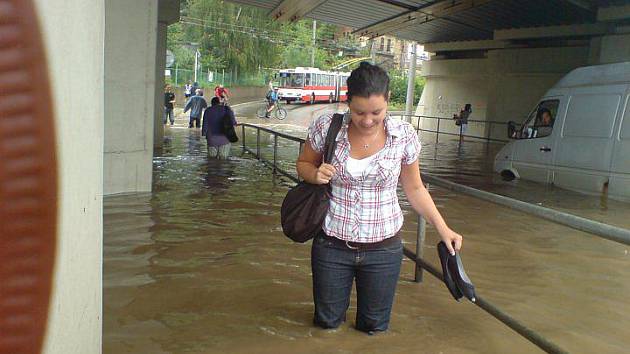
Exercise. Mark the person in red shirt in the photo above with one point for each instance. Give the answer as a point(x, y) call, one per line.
point(222, 93)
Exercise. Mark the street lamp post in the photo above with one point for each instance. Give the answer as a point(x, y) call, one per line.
point(196, 63)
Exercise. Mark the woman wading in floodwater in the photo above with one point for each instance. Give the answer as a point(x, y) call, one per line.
point(360, 238)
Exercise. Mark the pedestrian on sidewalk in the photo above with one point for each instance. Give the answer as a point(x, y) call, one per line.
point(196, 105)
point(212, 128)
point(169, 102)
point(188, 91)
point(461, 120)
point(222, 93)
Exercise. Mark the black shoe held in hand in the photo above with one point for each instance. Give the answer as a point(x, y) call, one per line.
point(448, 280)
point(455, 277)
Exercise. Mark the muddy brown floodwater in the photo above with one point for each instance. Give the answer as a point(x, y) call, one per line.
point(200, 265)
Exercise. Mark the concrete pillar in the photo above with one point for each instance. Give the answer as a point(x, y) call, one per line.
point(594, 50)
point(74, 36)
point(411, 79)
point(168, 13)
point(615, 49)
point(160, 66)
point(130, 91)
point(503, 86)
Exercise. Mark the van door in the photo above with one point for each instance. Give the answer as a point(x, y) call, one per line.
point(533, 152)
point(584, 154)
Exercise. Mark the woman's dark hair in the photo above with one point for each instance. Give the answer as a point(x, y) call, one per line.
point(368, 80)
point(215, 101)
point(468, 107)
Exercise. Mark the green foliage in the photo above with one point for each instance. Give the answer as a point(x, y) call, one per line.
point(398, 88)
point(243, 42)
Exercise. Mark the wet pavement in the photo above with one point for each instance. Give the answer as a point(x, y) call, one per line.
point(200, 265)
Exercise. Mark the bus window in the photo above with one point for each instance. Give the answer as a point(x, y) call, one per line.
point(290, 80)
point(307, 81)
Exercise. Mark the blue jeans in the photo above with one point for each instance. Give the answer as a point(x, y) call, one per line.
point(376, 273)
point(194, 120)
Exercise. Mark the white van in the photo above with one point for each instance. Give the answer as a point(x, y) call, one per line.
point(578, 135)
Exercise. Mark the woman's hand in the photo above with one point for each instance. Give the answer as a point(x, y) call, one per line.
point(451, 237)
point(324, 173)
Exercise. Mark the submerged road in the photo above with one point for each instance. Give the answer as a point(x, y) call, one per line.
point(200, 265)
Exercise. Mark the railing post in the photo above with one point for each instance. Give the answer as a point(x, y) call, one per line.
point(489, 132)
point(422, 224)
point(437, 134)
point(258, 143)
point(275, 153)
point(243, 137)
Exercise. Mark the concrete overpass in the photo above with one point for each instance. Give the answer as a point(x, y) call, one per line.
point(498, 55)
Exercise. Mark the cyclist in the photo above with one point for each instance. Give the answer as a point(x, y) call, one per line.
point(222, 93)
point(272, 100)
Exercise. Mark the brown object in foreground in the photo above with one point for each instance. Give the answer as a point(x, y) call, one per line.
point(28, 181)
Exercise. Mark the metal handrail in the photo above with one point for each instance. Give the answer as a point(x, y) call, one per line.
point(270, 131)
point(491, 309)
point(606, 231)
point(273, 164)
point(494, 311)
point(460, 134)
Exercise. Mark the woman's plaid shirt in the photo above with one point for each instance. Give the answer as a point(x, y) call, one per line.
point(365, 208)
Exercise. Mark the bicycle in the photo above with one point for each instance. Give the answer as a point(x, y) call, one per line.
point(278, 112)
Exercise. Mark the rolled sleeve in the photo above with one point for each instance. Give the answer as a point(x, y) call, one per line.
point(412, 147)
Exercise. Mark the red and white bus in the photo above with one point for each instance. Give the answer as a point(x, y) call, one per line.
point(312, 85)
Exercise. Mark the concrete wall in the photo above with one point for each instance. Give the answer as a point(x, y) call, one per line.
point(160, 66)
point(75, 317)
point(615, 49)
point(503, 86)
point(130, 93)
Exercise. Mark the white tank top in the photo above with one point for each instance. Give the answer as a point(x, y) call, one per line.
point(357, 167)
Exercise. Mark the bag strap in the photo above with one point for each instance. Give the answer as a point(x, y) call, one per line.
point(331, 137)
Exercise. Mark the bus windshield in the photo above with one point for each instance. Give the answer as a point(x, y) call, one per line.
point(291, 80)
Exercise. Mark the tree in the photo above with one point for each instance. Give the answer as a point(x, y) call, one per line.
point(245, 41)
point(398, 88)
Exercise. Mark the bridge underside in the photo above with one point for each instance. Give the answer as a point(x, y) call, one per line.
point(498, 55)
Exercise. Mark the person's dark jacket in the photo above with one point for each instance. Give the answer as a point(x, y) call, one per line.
point(212, 126)
point(196, 104)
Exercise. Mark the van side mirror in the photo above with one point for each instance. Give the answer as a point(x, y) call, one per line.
point(511, 130)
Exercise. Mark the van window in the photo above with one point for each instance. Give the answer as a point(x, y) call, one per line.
point(624, 134)
point(540, 122)
point(591, 116)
